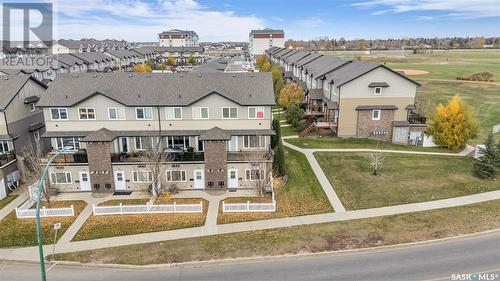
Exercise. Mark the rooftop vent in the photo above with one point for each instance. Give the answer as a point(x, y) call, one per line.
point(130, 75)
point(199, 75)
point(234, 75)
point(95, 75)
point(76, 75)
point(182, 75)
point(180, 96)
point(148, 75)
point(139, 96)
point(6, 78)
point(251, 75)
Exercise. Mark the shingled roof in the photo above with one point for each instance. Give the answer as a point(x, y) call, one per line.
point(159, 89)
point(323, 65)
point(307, 59)
point(92, 57)
point(10, 87)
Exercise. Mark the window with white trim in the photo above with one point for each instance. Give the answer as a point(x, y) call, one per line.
point(376, 114)
point(173, 113)
point(86, 113)
point(142, 176)
point(377, 91)
point(254, 142)
point(60, 178)
point(59, 113)
point(72, 142)
point(116, 113)
point(254, 175)
point(4, 147)
point(232, 144)
point(256, 112)
point(139, 143)
point(32, 107)
point(229, 113)
point(176, 176)
point(200, 113)
point(144, 113)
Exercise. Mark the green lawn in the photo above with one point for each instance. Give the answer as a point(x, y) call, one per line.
point(332, 142)
point(309, 238)
point(482, 99)
point(16, 232)
point(302, 195)
point(4, 202)
point(404, 179)
point(118, 225)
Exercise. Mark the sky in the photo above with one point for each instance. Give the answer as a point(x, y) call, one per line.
point(232, 20)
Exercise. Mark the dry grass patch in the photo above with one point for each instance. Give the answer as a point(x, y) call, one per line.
point(118, 225)
point(16, 232)
point(302, 195)
point(4, 202)
point(353, 234)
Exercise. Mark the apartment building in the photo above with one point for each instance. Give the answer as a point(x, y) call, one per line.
point(21, 124)
point(354, 98)
point(214, 128)
point(261, 40)
point(179, 38)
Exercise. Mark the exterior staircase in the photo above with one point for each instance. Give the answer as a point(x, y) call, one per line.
point(304, 132)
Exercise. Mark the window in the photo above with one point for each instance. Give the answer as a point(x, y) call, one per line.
point(254, 141)
point(116, 113)
point(232, 144)
point(4, 147)
point(377, 91)
point(139, 143)
point(59, 113)
point(142, 176)
point(376, 114)
point(173, 113)
point(254, 175)
point(256, 112)
point(86, 113)
point(200, 112)
point(60, 178)
point(176, 176)
point(200, 144)
point(180, 142)
point(144, 113)
point(229, 113)
point(72, 142)
point(32, 107)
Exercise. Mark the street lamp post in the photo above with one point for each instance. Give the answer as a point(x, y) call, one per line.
point(38, 223)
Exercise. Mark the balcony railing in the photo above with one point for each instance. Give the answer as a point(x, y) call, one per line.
point(169, 156)
point(7, 157)
point(76, 157)
point(414, 118)
point(249, 156)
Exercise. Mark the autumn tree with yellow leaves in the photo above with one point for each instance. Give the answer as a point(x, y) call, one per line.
point(290, 94)
point(452, 125)
point(142, 68)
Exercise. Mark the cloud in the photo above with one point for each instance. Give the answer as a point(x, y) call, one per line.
point(454, 8)
point(310, 23)
point(142, 20)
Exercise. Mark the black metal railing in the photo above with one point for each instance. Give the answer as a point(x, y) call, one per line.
point(77, 157)
point(169, 157)
point(7, 157)
point(261, 155)
point(415, 118)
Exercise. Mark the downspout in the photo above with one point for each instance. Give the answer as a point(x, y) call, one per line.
point(338, 117)
point(7, 126)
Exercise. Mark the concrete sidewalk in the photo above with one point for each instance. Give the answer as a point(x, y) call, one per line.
point(5, 211)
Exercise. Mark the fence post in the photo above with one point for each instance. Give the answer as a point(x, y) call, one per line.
point(175, 208)
point(93, 209)
point(17, 214)
point(121, 209)
point(72, 211)
point(248, 205)
point(223, 206)
point(44, 212)
point(201, 206)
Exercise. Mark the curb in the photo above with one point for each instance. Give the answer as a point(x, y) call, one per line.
point(255, 259)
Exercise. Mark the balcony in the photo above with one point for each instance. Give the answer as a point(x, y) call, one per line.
point(249, 156)
point(415, 118)
point(181, 156)
point(76, 157)
point(7, 157)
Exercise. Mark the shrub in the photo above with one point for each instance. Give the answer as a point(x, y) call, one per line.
point(293, 115)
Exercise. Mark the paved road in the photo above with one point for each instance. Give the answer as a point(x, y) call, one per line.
point(479, 253)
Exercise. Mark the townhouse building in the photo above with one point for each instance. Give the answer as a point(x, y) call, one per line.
point(70, 46)
point(354, 98)
point(263, 39)
point(125, 60)
point(179, 38)
point(21, 124)
point(214, 128)
point(96, 61)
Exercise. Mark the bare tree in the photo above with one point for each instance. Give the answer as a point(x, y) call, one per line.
point(155, 159)
point(377, 162)
point(33, 165)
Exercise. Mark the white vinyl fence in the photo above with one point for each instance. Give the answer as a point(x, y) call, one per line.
point(496, 129)
point(148, 208)
point(45, 212)
point(249, 207)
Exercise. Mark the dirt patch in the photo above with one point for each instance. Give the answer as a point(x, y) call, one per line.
point(413, 71)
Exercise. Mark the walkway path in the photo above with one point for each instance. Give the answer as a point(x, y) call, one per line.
point(5, 211)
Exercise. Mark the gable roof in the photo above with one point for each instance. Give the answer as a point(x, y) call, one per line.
point(10, 87)
point(121, 54)
point(68, 59)
point(159, 89)
point(282, 52)
point(296, 57)
point(323, 65)
point(307, 59)
point(92, 57)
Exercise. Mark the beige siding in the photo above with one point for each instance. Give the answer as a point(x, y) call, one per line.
point(3, 125)
point(17, 109)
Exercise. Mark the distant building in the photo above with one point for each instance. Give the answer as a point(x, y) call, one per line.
point(261, 40)
point(87, 45)
point(179, 38)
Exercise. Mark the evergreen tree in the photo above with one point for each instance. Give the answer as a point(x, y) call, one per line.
point(489, 159)
point(276, 138)
point(279, 161)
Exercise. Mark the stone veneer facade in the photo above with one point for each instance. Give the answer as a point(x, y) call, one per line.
point(375, 129)
point(215, 164)
point(101, 171)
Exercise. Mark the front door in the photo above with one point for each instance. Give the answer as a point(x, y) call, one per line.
point(198, 179)
point(120, 181)
point(85, 181)
point(232, 178)
point(124, 145)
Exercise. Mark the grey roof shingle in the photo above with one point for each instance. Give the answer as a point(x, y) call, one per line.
point(68, 59)
point(121, 54)
point(159, 89)
point(295, 57)
point(323, 65)
point(215, 133)
point(102, 134)
point(378, 84)
point(282, 53)
point(92, 57)
point(307, 59)
point(9, 87)
point(266, 31)
point(350, 72)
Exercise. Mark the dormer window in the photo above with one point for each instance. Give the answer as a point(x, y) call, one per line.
point(377, 91)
